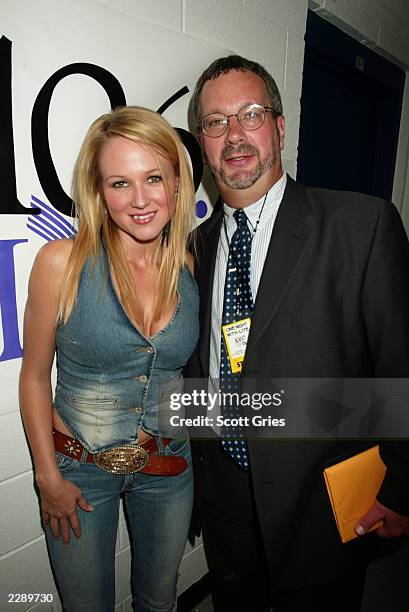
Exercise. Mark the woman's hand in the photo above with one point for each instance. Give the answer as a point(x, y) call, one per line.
point(59, 501)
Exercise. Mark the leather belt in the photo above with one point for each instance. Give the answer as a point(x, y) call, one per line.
point(126, 459)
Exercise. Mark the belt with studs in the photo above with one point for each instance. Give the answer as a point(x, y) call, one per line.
point(125, 459)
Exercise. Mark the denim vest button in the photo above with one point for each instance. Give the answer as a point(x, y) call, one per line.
point(138, 410)
point(142, 378)
point(145, 349)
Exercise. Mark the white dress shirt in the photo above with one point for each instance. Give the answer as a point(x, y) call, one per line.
point(259, 247)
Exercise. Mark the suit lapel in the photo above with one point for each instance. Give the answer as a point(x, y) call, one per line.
point(292, 231)
point(208, 238)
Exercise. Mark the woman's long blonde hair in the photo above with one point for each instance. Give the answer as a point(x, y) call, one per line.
point(149, 129)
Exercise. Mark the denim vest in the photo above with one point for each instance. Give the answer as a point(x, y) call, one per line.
point(112, 380)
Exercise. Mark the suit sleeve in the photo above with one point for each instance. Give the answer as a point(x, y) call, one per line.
point(386, 314)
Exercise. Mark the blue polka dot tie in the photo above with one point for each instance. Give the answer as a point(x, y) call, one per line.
point(237, 304)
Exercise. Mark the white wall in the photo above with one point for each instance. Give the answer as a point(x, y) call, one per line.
point(268, 31)
point(272, 32)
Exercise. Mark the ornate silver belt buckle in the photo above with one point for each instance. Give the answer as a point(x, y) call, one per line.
point(125, 459)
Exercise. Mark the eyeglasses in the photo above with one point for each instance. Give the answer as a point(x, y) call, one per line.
point(250, 117)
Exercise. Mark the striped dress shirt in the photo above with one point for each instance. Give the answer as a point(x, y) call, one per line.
point(260, 243)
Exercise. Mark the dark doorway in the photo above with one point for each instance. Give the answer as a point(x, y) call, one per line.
point(350, 113)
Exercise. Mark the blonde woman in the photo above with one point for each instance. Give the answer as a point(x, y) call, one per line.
point(119, 306)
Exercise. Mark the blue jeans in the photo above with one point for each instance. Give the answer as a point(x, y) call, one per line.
point(158, 508)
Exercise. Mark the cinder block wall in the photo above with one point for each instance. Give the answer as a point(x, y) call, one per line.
point(272, 32)
point(269, 31)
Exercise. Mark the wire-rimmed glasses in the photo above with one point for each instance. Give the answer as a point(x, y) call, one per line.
point(250, 117)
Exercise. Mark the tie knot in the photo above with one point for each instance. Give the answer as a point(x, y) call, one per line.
point(240, 216)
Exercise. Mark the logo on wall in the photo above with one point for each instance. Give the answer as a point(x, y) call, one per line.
point(49, 224)
point(47, 219)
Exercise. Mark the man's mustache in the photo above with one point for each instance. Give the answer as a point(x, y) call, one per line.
point(244, 149)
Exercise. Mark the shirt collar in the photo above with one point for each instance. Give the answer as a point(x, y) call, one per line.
point(273, 201)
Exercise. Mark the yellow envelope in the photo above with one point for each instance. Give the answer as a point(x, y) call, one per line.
point(352, 488)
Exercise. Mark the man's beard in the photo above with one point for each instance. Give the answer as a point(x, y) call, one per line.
point(246, 178)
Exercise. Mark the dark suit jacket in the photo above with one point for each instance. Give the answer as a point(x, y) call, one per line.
point(333, 301)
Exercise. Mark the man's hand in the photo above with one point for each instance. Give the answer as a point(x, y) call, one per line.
point(394, 524)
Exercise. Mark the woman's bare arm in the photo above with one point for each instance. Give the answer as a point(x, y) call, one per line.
point(59, 497)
